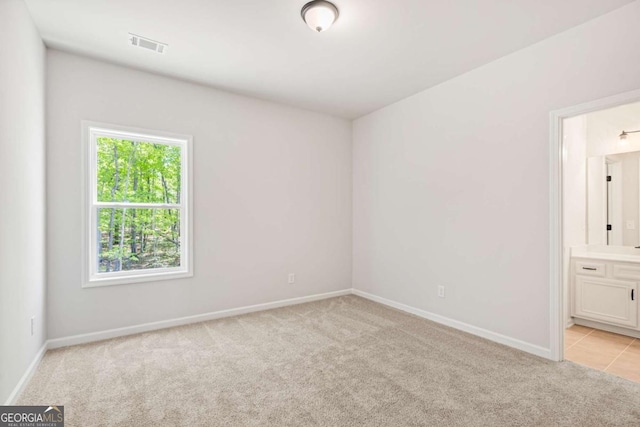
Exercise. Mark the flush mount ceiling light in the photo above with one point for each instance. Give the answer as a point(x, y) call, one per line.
point(319, 15)
point(625, 134)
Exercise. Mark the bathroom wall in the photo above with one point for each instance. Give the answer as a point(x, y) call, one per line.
point(605, 126)
point(602, 140)
point(574, 203)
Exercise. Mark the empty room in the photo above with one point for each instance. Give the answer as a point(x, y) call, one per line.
point(319, 213)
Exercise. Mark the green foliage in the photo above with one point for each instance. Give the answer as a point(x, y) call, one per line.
point(145, 172)
point(138, 172)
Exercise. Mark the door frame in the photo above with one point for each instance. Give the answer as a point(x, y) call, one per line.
point(556, 261)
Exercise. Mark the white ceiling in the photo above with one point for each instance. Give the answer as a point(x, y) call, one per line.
point(378, 52)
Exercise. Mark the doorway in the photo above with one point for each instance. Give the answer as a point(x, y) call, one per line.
point(595, 229)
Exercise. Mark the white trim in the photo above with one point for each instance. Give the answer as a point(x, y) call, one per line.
point(556, 280)
point(90, 277)
point(461, 326)
point(556, 269)
point(136, 205)
point(120, 332)
point(146, 327)
point(637, 223)
point(138, 276)
point(163, 324)
point(27, 375)
point(606, 327)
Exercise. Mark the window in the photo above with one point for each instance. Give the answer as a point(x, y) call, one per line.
point(137, 204)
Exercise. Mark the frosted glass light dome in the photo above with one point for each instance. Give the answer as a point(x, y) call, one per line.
point(319, 15)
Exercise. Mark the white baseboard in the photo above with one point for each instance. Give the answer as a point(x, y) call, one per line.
point(484, 333)
point(605, 327)
point(113, 333)
point(146, 327)
point(27, 375)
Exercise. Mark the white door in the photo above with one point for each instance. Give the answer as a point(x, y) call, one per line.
point(606, 300)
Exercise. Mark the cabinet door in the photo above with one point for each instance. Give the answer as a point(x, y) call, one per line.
point(606, 300)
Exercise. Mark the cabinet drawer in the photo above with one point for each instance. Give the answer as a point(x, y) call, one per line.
point(622, 271)
point(586, 268)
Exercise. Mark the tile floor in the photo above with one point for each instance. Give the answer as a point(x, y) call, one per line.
point(605, 351)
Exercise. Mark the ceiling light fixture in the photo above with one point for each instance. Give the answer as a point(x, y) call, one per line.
point(625, 134)
point(319, 15)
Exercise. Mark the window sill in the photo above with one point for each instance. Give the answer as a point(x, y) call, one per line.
point(139, 278)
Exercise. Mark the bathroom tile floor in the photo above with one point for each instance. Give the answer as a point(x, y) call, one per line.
point(605, 351)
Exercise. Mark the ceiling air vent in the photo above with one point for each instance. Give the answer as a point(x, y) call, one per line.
point(146, 43)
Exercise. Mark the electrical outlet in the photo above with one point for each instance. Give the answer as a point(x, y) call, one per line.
point(33, 325)
point(441, 291)
point(292, 278)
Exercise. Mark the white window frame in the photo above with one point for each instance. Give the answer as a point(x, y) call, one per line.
point(91, 277)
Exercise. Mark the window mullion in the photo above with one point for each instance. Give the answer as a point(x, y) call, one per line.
point(122, 205)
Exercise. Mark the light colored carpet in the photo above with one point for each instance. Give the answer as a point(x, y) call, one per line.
point(340, 362)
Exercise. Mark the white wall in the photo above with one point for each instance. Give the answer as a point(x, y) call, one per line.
point(604, 126)
point(574, 203)
point(451, 186)
point(22, 193)
point(575, 181)
point(272, 195)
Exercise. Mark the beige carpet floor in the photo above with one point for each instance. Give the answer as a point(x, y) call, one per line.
point(340, 362)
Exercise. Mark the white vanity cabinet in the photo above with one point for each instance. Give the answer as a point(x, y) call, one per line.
point(605, 291)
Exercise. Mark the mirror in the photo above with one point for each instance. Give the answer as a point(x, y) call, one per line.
point(613, 199)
